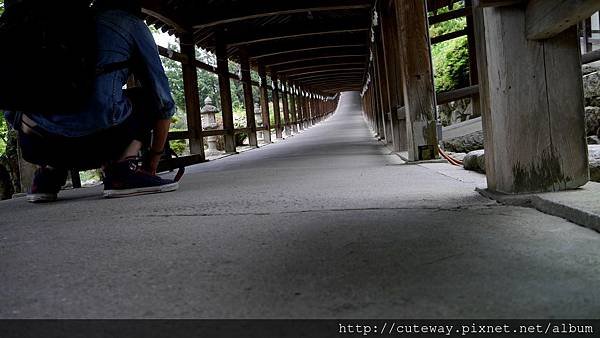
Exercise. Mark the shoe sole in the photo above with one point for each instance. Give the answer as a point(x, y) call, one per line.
point(41, 198)
point(141, 191)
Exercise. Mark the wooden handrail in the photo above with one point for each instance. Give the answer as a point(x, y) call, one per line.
point(457, 94)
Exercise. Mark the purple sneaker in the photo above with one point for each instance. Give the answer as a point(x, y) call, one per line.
point(47, 182)
point(126, 179)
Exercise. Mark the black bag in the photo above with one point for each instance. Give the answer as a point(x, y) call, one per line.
point(48, 58)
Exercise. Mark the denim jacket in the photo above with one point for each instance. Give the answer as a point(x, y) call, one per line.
point(121, 37)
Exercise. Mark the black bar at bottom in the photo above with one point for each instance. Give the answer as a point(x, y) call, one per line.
point(298, 328)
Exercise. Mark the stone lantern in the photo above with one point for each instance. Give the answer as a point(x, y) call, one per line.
point(259, 121)
point(209, 122)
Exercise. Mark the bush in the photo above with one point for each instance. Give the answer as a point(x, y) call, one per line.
point(450, 58)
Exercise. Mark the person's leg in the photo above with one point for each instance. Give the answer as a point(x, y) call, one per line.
point(126, 176)
point(48, 178)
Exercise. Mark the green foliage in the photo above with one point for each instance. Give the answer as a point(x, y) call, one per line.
point(179, 146)
point(3, 133)
point(451, 64)
point(450, 58)
point(1, 7)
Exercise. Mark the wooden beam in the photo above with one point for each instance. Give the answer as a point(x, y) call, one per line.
point(448, 36)
point(590, 57)
point(434, 5)
point(262, 50)
point(271, 33)
point(547, 18)
point(349, 69)
point(331, 77)
point(495, 3)
point(458, 13)
point(317, 54)
point(316, 60)
point(307, 49)
point(453, 95)
point(158, 10)
point(255, 10)
point(333, 62)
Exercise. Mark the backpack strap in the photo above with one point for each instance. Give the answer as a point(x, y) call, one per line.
point(113, 67)
point(173, 157)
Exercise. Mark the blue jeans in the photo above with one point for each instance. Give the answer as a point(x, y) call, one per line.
point(93, 151)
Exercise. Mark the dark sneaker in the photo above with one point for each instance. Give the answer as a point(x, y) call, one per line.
point(47, 182)
point(126, 179)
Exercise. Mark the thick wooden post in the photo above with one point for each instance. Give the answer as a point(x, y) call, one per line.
point(276, 108)
point(248, 98)
point(473, 72)
point(286, 112)
point(225, 93)
point(392, 59)
point(264, 103)
point(532, 105)
point(192, 96)
point(419, 93)
point(382, 85)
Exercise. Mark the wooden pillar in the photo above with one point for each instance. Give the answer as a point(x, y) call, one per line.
point(293, 111)
point(473, 72)
point(532, 107)
point(299, 110)
point(75, 178)
point(286, 111)
point(248, 98)
point(192, 96)
point(419, 93)
point(307, 113)
point(392, 59)
point(587, 35)
point(225, 93)
point(379, 130)
point(276, 109)
point(264, 102)
point(382, 83)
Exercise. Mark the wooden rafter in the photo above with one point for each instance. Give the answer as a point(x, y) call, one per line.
point(305, 73)
point(324, 65)
point(247, 10)
point(317, 54)
point(281, 32)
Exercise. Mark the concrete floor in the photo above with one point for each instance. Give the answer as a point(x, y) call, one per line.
point(327, 224)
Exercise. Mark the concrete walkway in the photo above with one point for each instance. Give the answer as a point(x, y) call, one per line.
point(326, 224)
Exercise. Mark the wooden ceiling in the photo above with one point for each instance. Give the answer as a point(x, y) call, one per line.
point(322, 45)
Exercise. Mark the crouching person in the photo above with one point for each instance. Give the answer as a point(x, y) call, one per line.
point(115, 124)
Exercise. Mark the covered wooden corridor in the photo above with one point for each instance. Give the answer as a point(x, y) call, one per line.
point(525, 75)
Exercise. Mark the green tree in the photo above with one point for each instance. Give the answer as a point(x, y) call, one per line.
point(450, 58)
